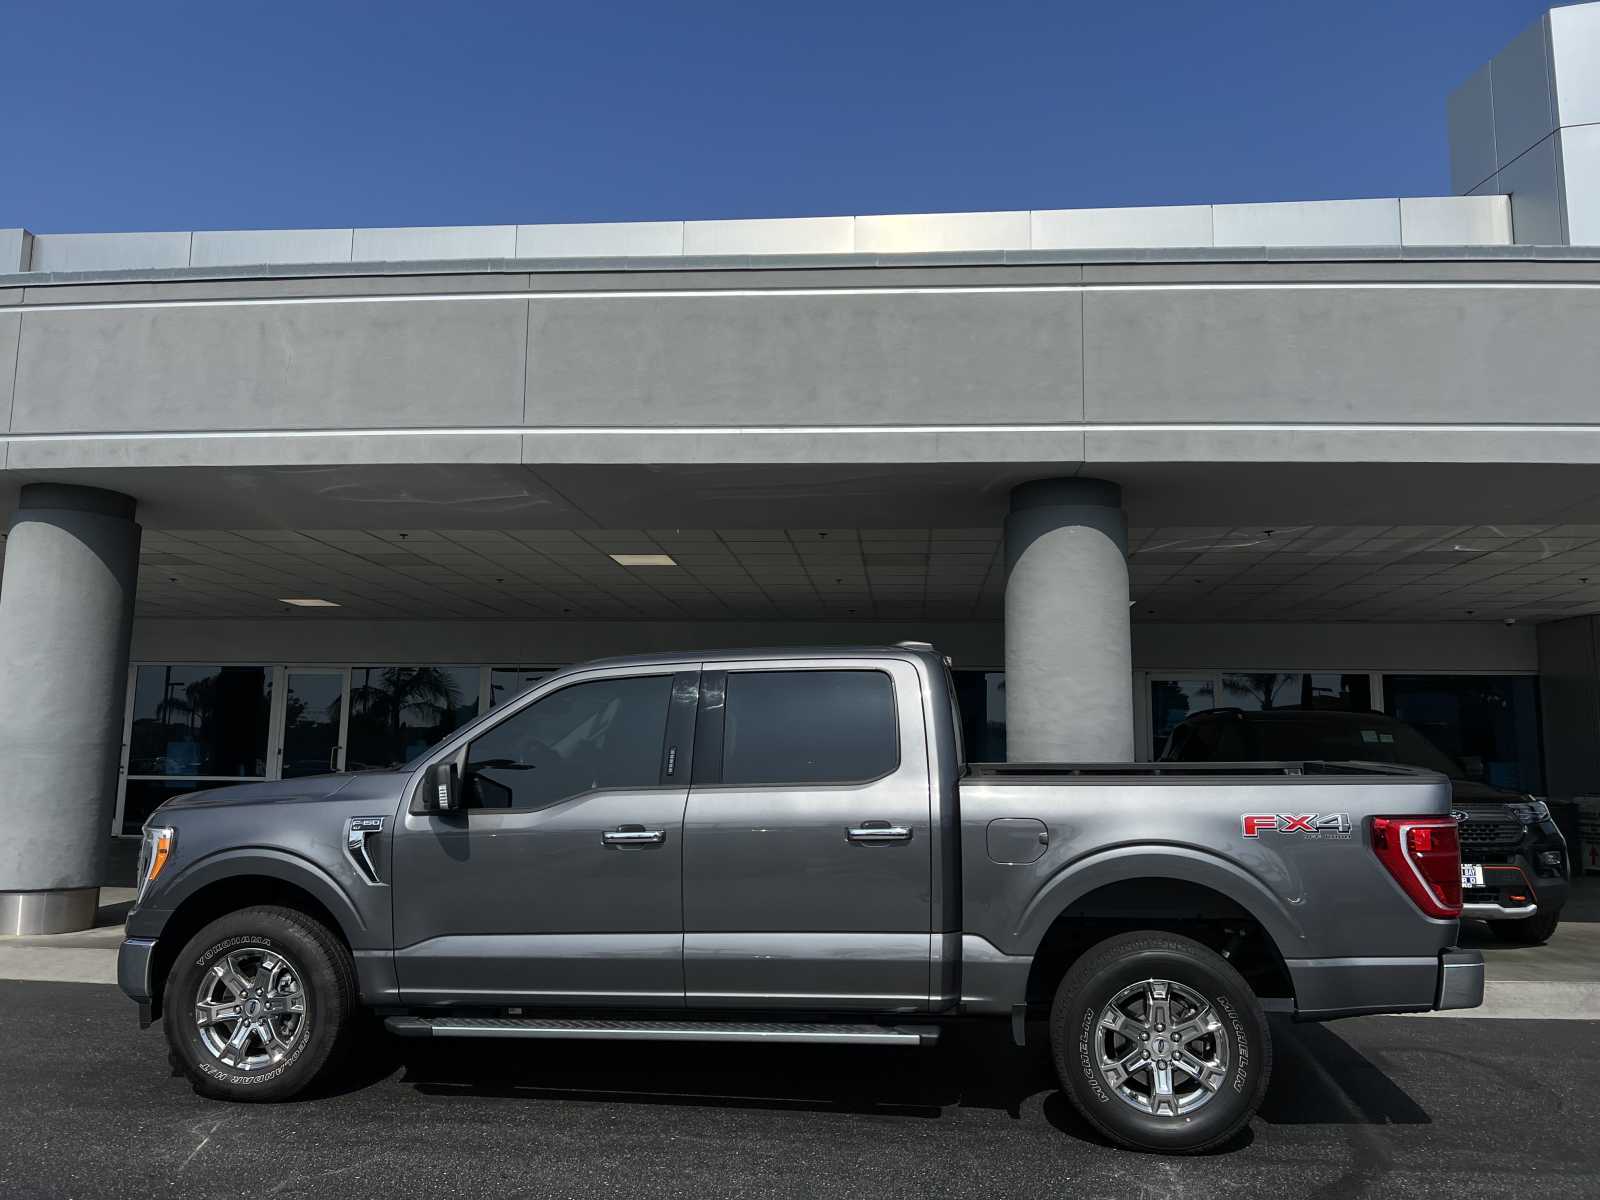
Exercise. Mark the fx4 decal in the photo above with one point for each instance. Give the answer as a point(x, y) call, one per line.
point(1314, 825)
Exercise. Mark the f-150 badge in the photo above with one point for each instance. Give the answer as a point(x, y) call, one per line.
point(1313, 825)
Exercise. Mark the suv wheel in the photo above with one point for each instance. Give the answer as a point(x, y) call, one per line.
point(1160, 1043)
point(259, 1004)
point(1530, 931)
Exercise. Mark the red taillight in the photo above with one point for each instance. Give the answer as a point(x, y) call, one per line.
point(1424, 856)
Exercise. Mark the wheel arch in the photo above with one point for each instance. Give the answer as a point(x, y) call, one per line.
point(232, 882)
point(1183, 892)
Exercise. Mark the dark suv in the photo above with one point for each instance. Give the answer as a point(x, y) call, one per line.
point(1514, 862)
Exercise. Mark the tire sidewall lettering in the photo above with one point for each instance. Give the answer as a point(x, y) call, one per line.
point(1091, 1073)
point(1241, 1043)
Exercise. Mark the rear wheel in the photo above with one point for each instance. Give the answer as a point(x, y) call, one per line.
point(259, 1004)
point(1160, 1043)
point(1530, 931)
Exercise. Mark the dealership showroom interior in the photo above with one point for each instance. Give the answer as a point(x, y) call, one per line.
point(289, 502)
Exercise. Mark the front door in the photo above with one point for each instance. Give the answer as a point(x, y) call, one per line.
point(315, 710)
point(808, 869)
point(561, 881)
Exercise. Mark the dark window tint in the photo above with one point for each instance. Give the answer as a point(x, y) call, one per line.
point(1489, 722)
point(398, 712)
point(809, 727)
point(144, 795)
point(604, 734)
point(506, 683)
point(1171, 700)
point(1348, 740)
point(981, 697)
point(200, 721)
point(1256, 691)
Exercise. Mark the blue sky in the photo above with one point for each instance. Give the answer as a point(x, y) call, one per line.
point(154, 115)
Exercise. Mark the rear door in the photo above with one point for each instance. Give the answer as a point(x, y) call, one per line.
point(807, 839)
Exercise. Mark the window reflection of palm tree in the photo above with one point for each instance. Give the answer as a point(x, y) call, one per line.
point(428, 695)
point(1262, 686)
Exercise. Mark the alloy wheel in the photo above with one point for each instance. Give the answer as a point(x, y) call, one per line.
point(250, 1009)
point(1161, 1047)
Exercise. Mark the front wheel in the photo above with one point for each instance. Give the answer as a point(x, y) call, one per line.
point(1530, 931)
point(1160, 1043)
point(259, 1004)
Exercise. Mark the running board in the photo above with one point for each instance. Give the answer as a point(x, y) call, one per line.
point(664, 1031)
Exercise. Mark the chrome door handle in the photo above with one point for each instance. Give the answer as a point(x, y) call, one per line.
point(878, 831)
point(634, 835)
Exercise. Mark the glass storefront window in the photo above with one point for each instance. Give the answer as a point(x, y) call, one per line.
point(1489, 722)
point(1254, 691)
point(506, 682)
point(1171, 700)
point(981, 697)
point(200, 721)
point(398, 712)
point(145, 795)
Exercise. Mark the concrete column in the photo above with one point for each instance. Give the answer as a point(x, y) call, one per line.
point(66, 616)
point(1069, 656)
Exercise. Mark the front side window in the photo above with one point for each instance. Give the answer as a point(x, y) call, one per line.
point(809, 727)
point(607, 733)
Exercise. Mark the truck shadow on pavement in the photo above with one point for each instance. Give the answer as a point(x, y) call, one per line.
point(1318, 1078)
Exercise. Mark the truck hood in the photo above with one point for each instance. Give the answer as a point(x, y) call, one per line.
point(312, 787)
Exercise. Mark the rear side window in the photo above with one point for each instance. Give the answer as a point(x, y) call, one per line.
point(802, 727)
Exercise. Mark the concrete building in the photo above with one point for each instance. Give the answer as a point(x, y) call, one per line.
point(291, 500)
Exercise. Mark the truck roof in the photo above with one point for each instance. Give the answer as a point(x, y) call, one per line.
point(781, 653)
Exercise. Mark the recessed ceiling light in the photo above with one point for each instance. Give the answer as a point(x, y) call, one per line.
point(308, 602)
point(644, 560)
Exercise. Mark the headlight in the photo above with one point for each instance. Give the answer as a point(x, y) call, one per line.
point(155, 850)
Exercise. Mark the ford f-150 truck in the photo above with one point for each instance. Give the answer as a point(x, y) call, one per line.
point(788, 846)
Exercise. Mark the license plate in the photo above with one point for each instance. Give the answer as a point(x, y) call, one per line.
point(1471, 875)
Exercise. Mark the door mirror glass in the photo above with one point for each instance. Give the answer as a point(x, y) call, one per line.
point(441, 789)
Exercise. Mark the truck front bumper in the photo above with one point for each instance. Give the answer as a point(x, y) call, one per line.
point(1460, 979)
point(135, 963)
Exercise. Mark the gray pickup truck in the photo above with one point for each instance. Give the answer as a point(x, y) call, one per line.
point(788, 846)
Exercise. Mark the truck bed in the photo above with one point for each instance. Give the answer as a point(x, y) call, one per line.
point(1017, 772)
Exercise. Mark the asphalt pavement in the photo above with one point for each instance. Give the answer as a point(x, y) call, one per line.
point(1380, 1106)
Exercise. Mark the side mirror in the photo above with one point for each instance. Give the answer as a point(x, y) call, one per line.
point(441, 789)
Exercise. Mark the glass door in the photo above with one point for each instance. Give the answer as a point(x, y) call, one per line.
point(314, 720)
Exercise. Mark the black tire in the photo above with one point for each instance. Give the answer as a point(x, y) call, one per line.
point(1530, 931)
point(1077, 1040)
point(316, 970)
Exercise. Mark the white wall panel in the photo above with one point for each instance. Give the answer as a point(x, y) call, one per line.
point(109, 251)
point(1455, 221)
point(933, 232)
point(246, 247)
point(1524, 103)
point(600, 239)
point(1580, 166)
point(1533, 182)
point(1310, 223)
point(439, 242)
point(1181, 225)
point(1575, 63)
point(797, 235)
point(1471, 115)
